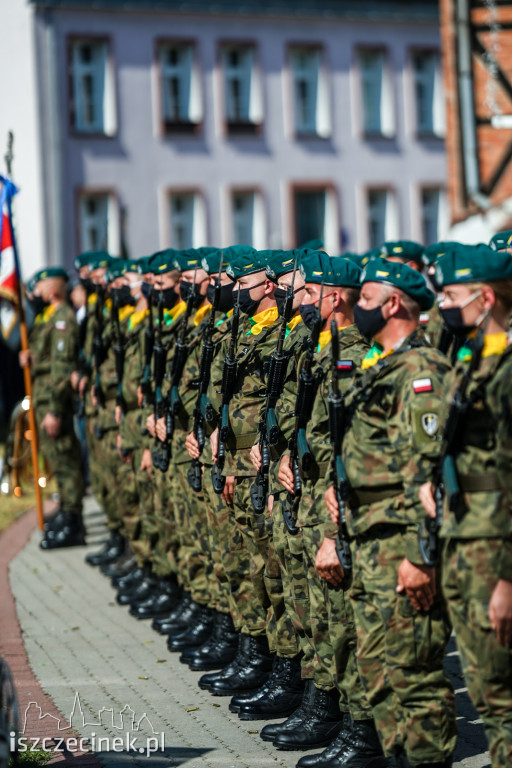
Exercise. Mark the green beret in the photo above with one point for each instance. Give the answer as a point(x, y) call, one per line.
point(42, 274)
point(163, 261)
point(210, 261)
point(244, 260)
point(92, 259)
point(281, 263)
point(117, 268)
point(312, 245)
point(432, 252)
point(143, 265)
point(362, 259)
point(473, 264)
point(407, 250)
point(185, 260)
point(315, 267)
point(501, 240)
point(346, 273)
point(409, 280)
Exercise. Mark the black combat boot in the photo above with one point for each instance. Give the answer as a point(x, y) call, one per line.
point(178, 619)
point(197, 632)
point(357, 746)
point(253, 669)
point(113, 548)
point(220, 649)
point(282, 696)
point(129, 580)
point(319, 728)
point(161, 603)
point(187, 619)
point(190, 652)
point(206, 681)
point(121, 566)
point(270, 732)
point(140, 591)
point(54, 521)
point(71, 533)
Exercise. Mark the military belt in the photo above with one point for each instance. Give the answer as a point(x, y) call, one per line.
point(476, 483)
point(245, 441)
point(365, 496)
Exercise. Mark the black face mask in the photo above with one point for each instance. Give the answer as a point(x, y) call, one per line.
point(226, 301)
point(280, 297)
point(122, 297)
point(147, 290)
point(308, 312)
point(186, 288)
point(248, 305)
point(452, 318)
point(166, 297)
point(38, 304)
point(87, 284)
point(369, 321)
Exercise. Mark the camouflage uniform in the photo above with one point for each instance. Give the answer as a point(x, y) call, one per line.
point(53, 341)
point(393, 423)
point(478, 546)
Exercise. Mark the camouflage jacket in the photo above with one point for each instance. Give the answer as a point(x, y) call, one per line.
point(54, 343)
point(108, 374)
point(131, 422)
point(392, 437)
point(484, 457)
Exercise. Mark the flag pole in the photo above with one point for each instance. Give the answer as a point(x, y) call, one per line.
point(26, 370)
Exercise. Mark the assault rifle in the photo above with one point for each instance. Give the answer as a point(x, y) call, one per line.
point(300, 454)
point(82, 361)
point(149, 343)
point(119, 350)
point(337, 427)
point(229, 372)
point(160, 452)
point(194, 474)
point(446, 481)
point(269, 428)
point(97, 346)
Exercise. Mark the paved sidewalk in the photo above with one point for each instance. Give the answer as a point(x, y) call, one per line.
point(79, 641)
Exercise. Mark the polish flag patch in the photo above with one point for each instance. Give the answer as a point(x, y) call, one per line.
point(60, 325)
point(422, 385)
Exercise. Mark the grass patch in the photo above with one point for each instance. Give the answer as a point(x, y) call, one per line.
point(30, 759)
point(12, 507)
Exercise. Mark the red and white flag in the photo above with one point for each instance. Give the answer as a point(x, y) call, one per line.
point(9, 267)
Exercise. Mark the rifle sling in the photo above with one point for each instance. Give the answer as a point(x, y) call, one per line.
point(364, 496)
point(480, 483)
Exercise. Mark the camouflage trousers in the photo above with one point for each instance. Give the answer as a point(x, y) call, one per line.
point(64, 458)
point(260, 618)
point(117, 482)
point(192, 531)
point(132, 523)
point(468, 580)
point(288, 550)
point(220, 535)
point(158, 527)
point(400, 653)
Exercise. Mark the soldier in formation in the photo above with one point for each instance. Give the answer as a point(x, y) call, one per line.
point(304, 463)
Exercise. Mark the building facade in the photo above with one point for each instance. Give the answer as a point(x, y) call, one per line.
point(152, 124)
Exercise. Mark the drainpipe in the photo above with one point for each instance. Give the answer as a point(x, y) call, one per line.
point(55, 201)
point(467, 107)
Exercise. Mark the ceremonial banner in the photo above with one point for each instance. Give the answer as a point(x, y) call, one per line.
point(9, 268)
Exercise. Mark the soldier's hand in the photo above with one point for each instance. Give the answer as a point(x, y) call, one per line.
point(500, 612)
point(82, 384)
point(255, 455)
point(146, 462)
point(426, 494)
point(94, 399)
point(192, 446)
point(75, 379)
point(270, 504)
point(140, 396)
point(150, 424)
point(119, 413)
point(327, 563)
point(419, 584)
point(52, 425)
point(229, 490)
point(285, 474)
point(214, 442)
point(25, 358)
point(332, 505)
point(161, 429)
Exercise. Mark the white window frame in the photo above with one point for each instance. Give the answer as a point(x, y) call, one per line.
point(100, 71)
point(390, 226)
point(434, 81)
point(256, 224)
point(246, 74)
point(197, 227)
point(331, 228)
point(109, 231)
point(314, 76)
point(186, 72)
point(384, 123)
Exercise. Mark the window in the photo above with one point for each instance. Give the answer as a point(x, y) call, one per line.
point(92, 98)
point(376, 93)
point(99, 222)
point(382, 217)
point(428, 92)
point(248, 218)
point(316, 217)
point(181, 97)
point(310, 93)
point(433, 215)
point(188, 221)
point(243, 110)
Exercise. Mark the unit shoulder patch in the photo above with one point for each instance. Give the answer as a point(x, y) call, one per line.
point(430, 423)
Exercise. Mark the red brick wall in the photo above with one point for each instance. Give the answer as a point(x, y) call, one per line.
point(490, 97)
